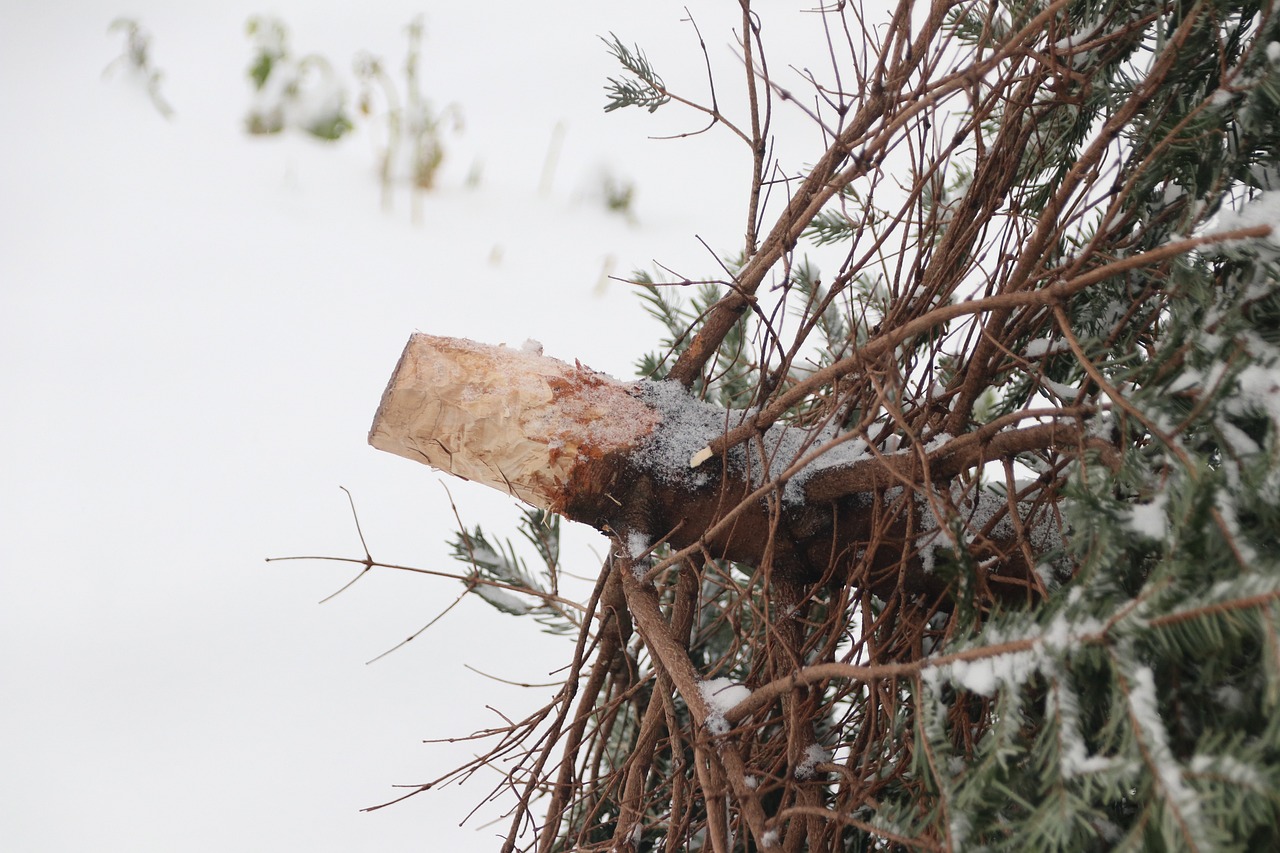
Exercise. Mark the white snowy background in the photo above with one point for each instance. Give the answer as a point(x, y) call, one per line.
point(196, 326)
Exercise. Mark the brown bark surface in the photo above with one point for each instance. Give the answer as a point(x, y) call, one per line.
point(577, 442)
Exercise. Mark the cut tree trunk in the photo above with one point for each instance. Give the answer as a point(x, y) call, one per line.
point(511, 419)
point(618, 456)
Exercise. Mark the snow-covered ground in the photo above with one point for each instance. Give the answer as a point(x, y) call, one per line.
point(196, 326)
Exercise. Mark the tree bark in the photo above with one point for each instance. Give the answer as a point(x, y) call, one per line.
point(617, 456)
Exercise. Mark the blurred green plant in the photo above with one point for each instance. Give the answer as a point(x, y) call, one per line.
point(413, 147)
point(619, 194)
point(304, 93)
point(136, 59)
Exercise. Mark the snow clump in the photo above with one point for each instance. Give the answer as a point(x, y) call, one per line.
point(813, 756)
point(721, 696)
point(675, 450)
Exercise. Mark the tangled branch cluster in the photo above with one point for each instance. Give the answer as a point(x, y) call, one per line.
point(1042, 315)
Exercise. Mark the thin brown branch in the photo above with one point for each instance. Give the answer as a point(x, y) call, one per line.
point(614, 632)
point(564, 703)
point(670, 654)
point(891, 338)
point(886, 102)
point(985, 444)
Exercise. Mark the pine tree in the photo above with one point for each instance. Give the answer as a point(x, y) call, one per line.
point(1009, 353)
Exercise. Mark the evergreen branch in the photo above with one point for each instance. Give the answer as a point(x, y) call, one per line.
point(829, 227)
point(497, 572)
point(765, 694)
point(1152, 736)
point(646, 89)
point(1262, 599)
